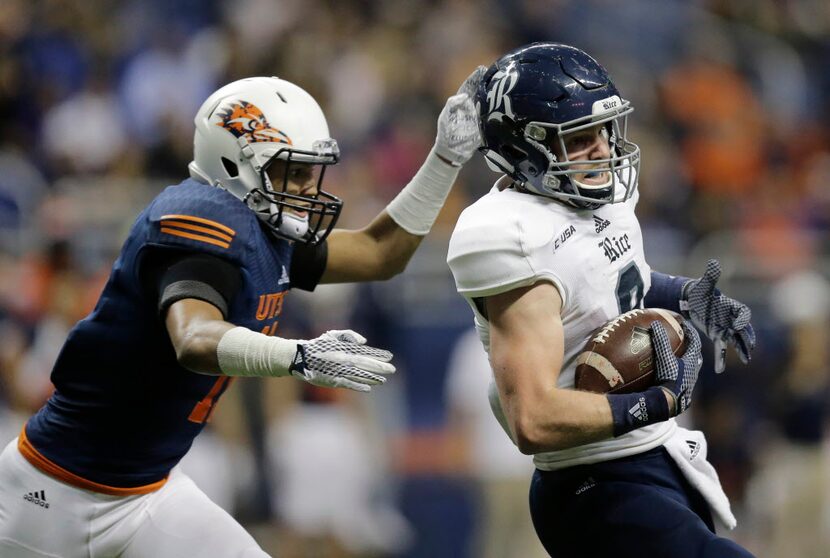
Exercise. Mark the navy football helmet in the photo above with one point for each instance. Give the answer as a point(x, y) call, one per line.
point(531, 100)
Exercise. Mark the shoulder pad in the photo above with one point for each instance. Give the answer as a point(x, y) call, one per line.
point(505, 241)
point(485, 254)
point(200, 218)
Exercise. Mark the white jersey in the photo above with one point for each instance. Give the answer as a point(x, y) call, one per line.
point(509, 239)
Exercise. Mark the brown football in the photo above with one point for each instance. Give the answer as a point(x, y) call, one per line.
point(619, 358)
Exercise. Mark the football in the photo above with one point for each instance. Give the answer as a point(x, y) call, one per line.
point(618, 358)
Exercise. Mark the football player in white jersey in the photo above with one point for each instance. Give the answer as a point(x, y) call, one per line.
point(554, 251)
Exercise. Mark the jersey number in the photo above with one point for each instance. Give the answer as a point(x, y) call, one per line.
point(204, 408)
point(630, 288)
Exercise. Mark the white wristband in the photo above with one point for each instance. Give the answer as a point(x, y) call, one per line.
point(416, 207)
point(242, 352)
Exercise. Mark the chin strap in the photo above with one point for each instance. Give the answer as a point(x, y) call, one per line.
point(290, 225)
point(581, 185)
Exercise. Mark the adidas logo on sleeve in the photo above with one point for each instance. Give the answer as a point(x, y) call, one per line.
point(639, 411)
point(37, 498)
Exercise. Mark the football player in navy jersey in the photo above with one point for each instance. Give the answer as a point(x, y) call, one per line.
point(553, 252)
point(193, 301)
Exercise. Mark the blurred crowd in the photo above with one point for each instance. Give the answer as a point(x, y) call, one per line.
point(732, 107)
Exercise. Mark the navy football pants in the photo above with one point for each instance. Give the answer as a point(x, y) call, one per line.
point(638, 506)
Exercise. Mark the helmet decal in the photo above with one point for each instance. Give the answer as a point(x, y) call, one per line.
point(244, 119)
point(501, 85)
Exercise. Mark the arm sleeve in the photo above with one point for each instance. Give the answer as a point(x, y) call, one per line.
point(307, 265)
point(665, 292)
point(200, 276)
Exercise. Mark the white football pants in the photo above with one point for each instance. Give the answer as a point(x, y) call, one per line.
point(44, 517)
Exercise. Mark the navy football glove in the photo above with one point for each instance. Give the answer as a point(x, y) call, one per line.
point(677, 375)
point(723, 319)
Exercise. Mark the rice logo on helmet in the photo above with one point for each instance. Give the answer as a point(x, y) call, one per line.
point(502, 84)
point(244, 119)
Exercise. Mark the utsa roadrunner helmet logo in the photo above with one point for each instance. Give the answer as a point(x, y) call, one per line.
point(244, 119)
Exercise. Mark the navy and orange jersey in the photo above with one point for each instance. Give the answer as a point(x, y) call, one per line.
point(124, 412)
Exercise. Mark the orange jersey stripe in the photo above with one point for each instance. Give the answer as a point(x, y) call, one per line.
point(202, 221)
point(39, 461)
point(204, 408)
point(200, 238)
point(211, 232)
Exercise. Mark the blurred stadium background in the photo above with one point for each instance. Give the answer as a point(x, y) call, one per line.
point(96, 105)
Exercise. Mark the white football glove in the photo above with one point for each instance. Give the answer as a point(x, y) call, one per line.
point(459, 133)
point(341, 358)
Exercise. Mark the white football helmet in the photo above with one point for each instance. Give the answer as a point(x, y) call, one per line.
point(242, 128)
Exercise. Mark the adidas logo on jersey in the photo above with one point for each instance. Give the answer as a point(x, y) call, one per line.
point(601, 224)
point(694, 449)
point(639, 411)
point(37, 498)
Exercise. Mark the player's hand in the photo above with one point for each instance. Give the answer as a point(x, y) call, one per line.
point(459, 134)
point(723, 319)
point(341, 358)
point(677, 375)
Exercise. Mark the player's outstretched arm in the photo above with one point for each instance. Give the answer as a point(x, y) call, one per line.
point(207, 344)
point(383, 248)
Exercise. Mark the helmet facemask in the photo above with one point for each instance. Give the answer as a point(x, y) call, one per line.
point(532, 100)
point(305, 217)
point(561, 179)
